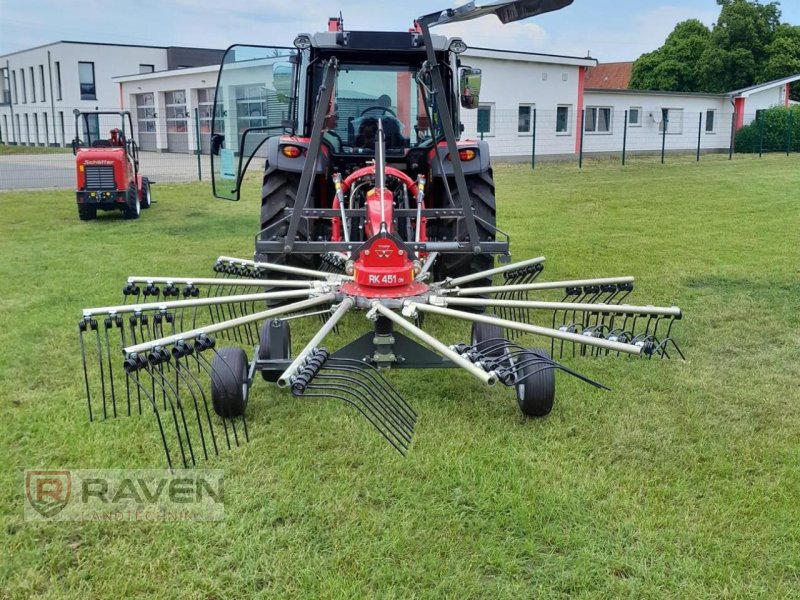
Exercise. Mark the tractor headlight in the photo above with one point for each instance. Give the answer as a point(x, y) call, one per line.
point(302, 41)
point(458, 46)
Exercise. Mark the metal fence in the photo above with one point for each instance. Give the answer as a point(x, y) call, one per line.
point(35, 150)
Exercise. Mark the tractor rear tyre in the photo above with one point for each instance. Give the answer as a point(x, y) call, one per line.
point(274, 343)
point(279, 193)
point(132, 208)
point(481, 195)
point(87, 213)
point(536, 385)
point(146, 199)
point(229, 382)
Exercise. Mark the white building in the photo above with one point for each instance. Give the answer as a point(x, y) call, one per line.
point(40, 87)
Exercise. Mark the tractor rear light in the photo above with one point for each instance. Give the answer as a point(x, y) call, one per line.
point(291, 151)
point(466, 155)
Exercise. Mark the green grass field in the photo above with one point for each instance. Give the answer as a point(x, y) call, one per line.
point(683, 482)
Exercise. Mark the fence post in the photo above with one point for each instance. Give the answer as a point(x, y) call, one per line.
point(733, 136)
point(197, 144)
point(533, 147)
point(583, 124)
point(665, 121)
point(699, 136)
point(625, 137)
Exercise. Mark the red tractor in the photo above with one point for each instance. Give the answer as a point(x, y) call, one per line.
point(107, 169)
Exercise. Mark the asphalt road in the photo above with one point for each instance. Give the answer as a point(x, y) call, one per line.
point(51, 171)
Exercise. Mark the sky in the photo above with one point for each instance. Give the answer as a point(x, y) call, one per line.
point(609, 30)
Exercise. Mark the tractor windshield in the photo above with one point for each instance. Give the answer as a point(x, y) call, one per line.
point(366, 94)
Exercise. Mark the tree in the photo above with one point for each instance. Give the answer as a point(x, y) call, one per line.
point(747, 45)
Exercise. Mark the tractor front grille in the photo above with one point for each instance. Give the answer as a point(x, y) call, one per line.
point(100, 177)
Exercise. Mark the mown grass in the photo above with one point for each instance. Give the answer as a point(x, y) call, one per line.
point(8, 150)
point(681, 483)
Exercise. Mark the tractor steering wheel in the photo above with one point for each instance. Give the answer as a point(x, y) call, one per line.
point(384, 109)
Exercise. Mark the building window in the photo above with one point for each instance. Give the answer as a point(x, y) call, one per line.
point(27, 129)
point(205, 107)
point(598, 120)
point(635, 116)
point(24, 89)
point(147, 68)
point(61, 123)
point(36, 128)
point(175, 103)
point(5, 125)
point(86, 78)
point(562, 120)
point(46, 129)
point(711, 121)
point(6, 83)
point(485, 118)
point(525, 118)
point(33, 86)
point(58, 80)
point(671, 121)
point(146, 113)
point(14, 84)
point(41, 83)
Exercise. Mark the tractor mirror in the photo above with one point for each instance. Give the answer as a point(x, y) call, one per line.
point(470, 87)
point(282, 81)
point(216, 143)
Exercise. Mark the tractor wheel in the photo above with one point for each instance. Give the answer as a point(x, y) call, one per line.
point(229, 382)
point(87, 213)
point(481, 194)
point(132, 208)
point(146, 199)
point(536, 386)
point(274, 343)
point(277, 194)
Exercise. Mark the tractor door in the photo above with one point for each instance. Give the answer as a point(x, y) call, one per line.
point(256, 98)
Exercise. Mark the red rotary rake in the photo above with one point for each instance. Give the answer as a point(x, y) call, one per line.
point(348, 227)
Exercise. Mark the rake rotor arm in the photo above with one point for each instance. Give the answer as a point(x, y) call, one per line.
point(489, 378)
point(287, 283)
point(621, 309)
point(280, 268)
point(413, 307)
point(529, 287)
point(231, 323)
point(286, 377)
point(452, 283)
point(178, 304)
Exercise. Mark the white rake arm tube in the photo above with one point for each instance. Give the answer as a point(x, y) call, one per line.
point(194, 302)
point(546, 285)
point(492, 272)
point(621, 309)
point(535, 329)
point(489, 378)
point(278, 268)
point(222, 282)
point(286, 377)
point(267, 314)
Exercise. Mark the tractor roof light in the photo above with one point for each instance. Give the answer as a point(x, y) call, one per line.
point(302, 41)
point(458, 46)
point(291, 151)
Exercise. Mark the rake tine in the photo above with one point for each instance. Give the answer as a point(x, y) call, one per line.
point(156, 359)
point(132, 367)
point(174, 414)
point(373, 374)
point(206, 366)
point(188, 379)
point(82, 326)
point(109, 323)
point(93, 326)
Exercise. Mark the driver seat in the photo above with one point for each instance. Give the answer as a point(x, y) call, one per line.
point(367, 134)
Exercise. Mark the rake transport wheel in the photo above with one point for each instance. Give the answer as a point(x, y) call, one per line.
point(277, 194)
point(146, 200)
point(481, 195)
point(229, 382)
point(87, 213)
point(274, 343)
point(132, 206)
point(483, 335)
point(536, 386)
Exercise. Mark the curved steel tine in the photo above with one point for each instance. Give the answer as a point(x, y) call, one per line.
point(143, 389)
point(371, 372)
point(186, 372)
point(166, 387)
point(378, 406)
point(85, 370)
point(108, 323)
point(206, 366)
point(397, 445)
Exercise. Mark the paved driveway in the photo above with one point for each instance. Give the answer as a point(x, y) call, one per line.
point(37, 171)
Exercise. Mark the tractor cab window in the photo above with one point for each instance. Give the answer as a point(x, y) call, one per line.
point(368, 94)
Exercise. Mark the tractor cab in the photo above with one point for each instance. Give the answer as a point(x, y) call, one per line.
point(107, 165)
